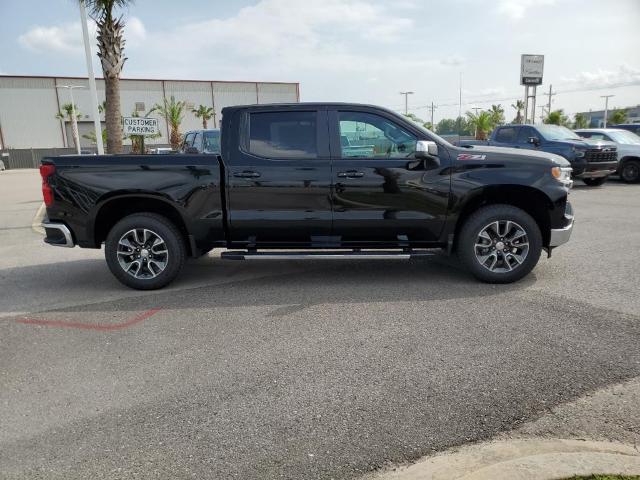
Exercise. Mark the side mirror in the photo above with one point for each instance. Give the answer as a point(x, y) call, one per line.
point(427, 150)
point(534, 141)
point(191, 150)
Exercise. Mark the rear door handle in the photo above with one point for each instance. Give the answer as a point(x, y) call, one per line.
point(246, 174)
point(350, 174)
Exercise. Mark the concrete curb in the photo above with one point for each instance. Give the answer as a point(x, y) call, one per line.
point(523, 460)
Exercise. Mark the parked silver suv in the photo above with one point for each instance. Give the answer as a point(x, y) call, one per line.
point(628, 149)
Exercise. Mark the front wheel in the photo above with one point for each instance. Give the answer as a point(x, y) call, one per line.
point(145, 251)
point(594, 182)
point(630, 171)
point(500, 244)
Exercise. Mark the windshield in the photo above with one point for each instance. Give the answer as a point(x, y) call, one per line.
point(556, 132)
point(211, 141)
point(624, 137)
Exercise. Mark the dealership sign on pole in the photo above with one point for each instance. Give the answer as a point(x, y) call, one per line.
point(531, 68)
point(140, 126)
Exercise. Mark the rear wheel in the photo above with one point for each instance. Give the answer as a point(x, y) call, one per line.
point(145, 251)
point(594, 182)
point(630, 171)
point(500, 244)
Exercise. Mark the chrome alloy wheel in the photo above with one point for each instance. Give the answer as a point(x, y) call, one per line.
point(142, 253)
point(502, 246)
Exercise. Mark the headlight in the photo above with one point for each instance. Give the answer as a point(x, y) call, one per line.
point(579, 152)
point(563, 175)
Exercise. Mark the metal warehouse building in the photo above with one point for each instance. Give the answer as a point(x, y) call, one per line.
point(28, 105)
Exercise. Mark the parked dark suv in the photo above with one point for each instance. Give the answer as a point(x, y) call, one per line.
point(201, 141)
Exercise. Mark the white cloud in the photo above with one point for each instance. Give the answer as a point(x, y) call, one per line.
point(517, 9)
point(624, 75)
point(67, 38)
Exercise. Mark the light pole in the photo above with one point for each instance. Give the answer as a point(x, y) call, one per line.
point(606, 107)
point(92, 79)
point(406, 101)
point(74, 120)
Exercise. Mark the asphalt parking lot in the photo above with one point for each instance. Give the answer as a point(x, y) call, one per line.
point(296, 370)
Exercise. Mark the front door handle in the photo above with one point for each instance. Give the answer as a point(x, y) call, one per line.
point(246, 174)
point(351, 174)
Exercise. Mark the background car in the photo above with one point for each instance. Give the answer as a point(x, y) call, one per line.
point(201, 141)
point(631, 127)
point(2, 167)
point(628, 149)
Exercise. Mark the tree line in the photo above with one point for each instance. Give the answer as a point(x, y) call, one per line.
point(480, 123)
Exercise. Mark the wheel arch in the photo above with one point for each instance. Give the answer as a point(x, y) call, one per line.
point(116, 208)
point(532, 200)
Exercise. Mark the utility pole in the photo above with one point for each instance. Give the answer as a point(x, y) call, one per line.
point(550, 94)
point(406, 101)
point(74, 120)
point(606, 107)
point(542, 107)
point(433, 107)
point(92, 79)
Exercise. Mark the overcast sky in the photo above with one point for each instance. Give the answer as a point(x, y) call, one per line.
point(356, 50)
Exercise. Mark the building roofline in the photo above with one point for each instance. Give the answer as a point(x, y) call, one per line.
point(54, 77)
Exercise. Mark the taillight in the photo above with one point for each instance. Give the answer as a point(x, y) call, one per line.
point(46, 170)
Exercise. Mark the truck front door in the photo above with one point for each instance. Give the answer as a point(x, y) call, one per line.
point(380, 192)
point(278, 179)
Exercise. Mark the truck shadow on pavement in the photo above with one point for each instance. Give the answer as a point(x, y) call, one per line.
point(288, 286)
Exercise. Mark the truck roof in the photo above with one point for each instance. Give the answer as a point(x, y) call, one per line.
point(285, 106)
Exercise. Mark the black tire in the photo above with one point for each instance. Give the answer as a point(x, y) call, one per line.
point(163, 229)
point(630, 171)
point(470, 233)
point(595, 182)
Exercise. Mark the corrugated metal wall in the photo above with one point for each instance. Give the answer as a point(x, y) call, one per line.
point(27, 113)
point(28, 105)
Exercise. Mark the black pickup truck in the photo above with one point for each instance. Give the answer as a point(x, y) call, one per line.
point(312, 180)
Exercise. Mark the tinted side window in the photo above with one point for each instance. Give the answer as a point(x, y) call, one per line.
point(506, 135)
point(525, 134)
point(197, 141)
point(365, 135)
point(211, 142)
point(283, 134)
point(188, 140)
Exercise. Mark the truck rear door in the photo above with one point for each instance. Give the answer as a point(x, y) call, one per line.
point(380, 192)
point(278, 176)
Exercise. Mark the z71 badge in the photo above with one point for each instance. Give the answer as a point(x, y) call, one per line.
point(471, 156)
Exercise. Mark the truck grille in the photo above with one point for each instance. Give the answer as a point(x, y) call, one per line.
point(601, 155)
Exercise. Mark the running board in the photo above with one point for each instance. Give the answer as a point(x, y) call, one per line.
point(326, 255)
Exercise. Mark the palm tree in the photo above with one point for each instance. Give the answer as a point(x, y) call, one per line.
point(91, 136)
point(580, 121)
point(111, 53)
point(617, 116)
point(481, 122)
point(497, 115)
point(173, 111)
point(557, 117)
point(518, 107)
point(203, 112)
point(67, 113)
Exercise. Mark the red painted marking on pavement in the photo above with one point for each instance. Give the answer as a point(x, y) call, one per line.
point(88, 326)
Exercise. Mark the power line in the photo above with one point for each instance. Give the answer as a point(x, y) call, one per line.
point(481, 99)
point(406, 101)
